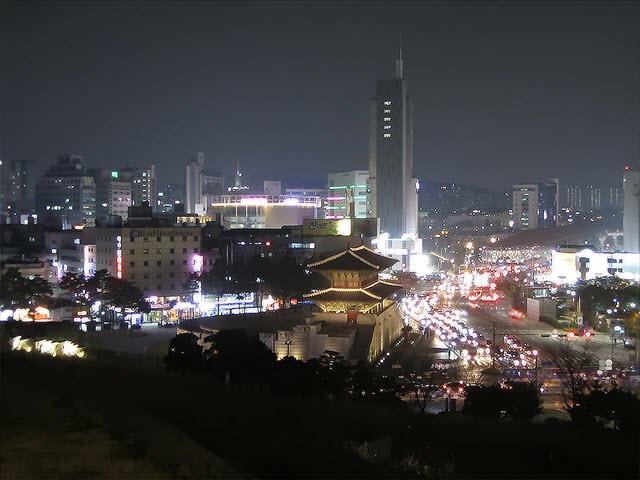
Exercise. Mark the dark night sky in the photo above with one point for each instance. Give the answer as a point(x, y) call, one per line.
point(502, 92)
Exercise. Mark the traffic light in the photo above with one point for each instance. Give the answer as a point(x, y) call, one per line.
point(587, 334)
point(571, 335)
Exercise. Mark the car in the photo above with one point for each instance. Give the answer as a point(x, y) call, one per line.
point(136, 326)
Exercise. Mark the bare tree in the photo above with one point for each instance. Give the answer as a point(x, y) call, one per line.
point(573, 364)
point(420, 389)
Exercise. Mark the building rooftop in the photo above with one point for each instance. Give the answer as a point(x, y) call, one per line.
point(355, 258)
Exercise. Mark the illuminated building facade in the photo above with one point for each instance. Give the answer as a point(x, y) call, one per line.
point(193, 182)
point(17, 195)
point(631, 212)
point(355, 286)
point(155, 259)
point(393, 190)
point(262, 211)
point(535, 205)
point(348, 195)
point(113, 194)
point(143, 184)
point(571, 265)
point(66, 193)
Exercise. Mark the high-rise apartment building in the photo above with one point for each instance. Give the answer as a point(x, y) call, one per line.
point(17, 196)
point(113, 194)
point(66, 193)
point(193, 182)
point(631, 212)
point(614, 197)
point(525, 206)
point(143, 184)
point(583, 197)
point(169, 195)
point(348, 195)
point(535, 205)
point(392, 188)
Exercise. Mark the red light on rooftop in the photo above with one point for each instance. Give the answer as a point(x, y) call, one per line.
point(627, 167)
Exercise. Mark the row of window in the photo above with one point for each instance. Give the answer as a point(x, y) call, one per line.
point(145, 251)
point(146, 239)
point(158, 287)
point(146, 275)
point(145, 263)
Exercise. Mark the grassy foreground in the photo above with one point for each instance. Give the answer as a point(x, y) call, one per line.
point(84, 419)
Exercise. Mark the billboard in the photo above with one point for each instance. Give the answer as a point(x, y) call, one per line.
point(358, 227)
point(320, 227)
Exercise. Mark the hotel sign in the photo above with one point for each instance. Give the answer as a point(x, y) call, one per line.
point(158, 232)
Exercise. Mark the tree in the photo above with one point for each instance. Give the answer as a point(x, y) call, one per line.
point(20, 292)
point(486, 401)
point(75, 285)
point(125, 295)
point(523, 400)
point(239, 357)
point(184, 354)
point(518, 400)
point(370, 385)
point(573, 364)
point(600, 406)
point(421, 389)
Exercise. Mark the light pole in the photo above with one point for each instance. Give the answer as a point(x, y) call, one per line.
point(288, 344)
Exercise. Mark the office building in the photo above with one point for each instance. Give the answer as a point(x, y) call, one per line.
point(193, 183)
point(113, 194)
point(535, 205)
point(157, 259)
point(212, 184)
point(631, 212)
point(348, 195)
point(168, 196)
point(17, 190)
point(66, 194)
point(393, 191)
point(262, 211)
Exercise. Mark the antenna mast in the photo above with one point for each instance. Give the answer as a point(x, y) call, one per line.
point(399, 66)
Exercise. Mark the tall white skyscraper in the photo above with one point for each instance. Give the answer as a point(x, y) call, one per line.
point(393, 190)
point(631, 212)
point(193, 182)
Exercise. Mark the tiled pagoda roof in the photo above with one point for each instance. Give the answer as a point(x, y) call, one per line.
point(358, 258)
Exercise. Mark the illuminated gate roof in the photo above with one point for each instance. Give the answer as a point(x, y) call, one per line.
point(354, 281)
point(355, 258)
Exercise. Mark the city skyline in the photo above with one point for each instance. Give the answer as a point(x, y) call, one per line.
point(518, 88)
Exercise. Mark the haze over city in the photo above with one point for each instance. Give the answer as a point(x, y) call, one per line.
point(501, 91)
point(320, 239)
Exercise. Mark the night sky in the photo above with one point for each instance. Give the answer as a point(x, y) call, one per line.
point(502, 92)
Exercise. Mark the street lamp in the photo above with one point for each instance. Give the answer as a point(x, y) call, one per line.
point(288, 344)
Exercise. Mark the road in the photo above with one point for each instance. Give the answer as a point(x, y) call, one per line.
point(531, 331)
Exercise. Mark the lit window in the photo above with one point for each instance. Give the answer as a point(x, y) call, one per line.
point(387, 135)
point(387, 127)
point(387, 110)
point(387, 102)
point(386, 119)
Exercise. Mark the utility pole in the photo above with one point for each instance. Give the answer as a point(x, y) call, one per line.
point(493, 347)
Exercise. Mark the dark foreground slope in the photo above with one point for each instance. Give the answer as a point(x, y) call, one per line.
point(83, 419)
